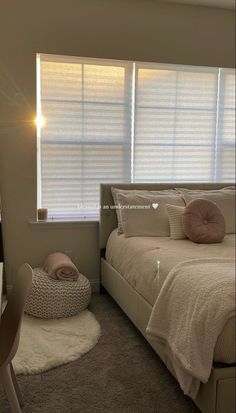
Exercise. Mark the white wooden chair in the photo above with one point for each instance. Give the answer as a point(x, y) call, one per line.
point(10, 324)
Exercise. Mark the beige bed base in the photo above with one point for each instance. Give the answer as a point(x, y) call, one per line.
point(218, 394)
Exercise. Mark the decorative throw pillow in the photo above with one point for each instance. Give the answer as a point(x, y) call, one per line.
point(203, 222)
point(116, 191)
point(224, 199)
point(146, 215)
point(175, 214)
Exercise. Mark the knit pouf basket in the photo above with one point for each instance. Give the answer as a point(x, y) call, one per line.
point(49, 298)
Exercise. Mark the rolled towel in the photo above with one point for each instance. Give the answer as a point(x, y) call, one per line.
point(60, 267)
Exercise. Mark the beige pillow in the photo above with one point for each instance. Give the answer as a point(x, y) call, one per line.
point(224, 200)
point(203, 222)
point(146, 215)
point(175, 214)
point(116, 191)
point(229, 188)
point(199, 191)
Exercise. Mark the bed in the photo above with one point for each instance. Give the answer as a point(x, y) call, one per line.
point(151, 259)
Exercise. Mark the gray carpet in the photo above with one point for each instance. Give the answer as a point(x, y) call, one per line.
point(121, 374)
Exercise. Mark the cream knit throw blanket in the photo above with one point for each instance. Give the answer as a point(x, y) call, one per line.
point(196, 300)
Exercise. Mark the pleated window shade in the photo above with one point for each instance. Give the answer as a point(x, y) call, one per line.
point(226, 128)
point(117, 121)
point(175, 124)
point(86, 104)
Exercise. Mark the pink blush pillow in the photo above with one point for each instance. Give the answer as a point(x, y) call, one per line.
point(203, 222)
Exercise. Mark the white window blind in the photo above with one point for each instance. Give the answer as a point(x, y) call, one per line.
point(175, 120)
point(118, 121)
point(225, 170)
point(86, 139)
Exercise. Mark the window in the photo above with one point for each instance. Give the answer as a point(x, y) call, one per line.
point(175, 124)
point(118, 121)
point(226, 127)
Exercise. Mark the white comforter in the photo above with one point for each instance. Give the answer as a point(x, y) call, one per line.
point(136, 258)
point(196, 300)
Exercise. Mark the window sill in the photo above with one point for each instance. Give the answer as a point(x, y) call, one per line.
point(51, 224)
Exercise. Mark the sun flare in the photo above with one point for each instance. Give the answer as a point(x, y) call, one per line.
point(40, 121)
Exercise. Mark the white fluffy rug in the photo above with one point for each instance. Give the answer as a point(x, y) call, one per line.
point(45, 344)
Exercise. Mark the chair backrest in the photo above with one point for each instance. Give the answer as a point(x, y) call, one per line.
point(12, 316)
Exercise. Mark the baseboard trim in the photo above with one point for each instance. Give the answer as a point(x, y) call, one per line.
point(95, 285)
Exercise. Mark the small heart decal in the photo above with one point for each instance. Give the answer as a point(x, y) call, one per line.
point(155, 206)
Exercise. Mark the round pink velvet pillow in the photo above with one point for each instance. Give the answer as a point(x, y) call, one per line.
point(203, 222)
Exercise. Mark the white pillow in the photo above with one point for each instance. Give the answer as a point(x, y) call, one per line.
point(223, 198)
point(175, 214)
point(228, 188)
point(146, 215)
point(116, 191)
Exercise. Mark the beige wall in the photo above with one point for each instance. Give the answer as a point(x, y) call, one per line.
point(122, 29)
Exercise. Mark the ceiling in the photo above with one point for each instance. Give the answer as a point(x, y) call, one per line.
point(225, 4)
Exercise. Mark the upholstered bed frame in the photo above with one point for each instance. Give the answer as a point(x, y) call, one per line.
point(218, 394)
